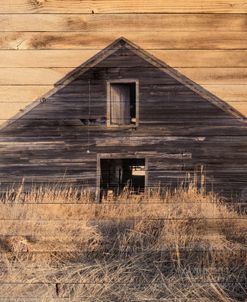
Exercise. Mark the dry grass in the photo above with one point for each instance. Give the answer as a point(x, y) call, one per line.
point(164, 246)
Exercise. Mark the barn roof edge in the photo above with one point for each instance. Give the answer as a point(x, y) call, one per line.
point(110, 49)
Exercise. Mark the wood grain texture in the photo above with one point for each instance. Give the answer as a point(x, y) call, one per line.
point(26, 93)
point(20, 94)
point(41, 40)
point(73, 58)
point(123, 22)
point(59, 140)
point(48, 76)
point(146, 40)
point(117, 6)
point(15, 98)
point(63, 34)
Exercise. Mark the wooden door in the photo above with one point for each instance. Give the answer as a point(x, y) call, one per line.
point(120, 104)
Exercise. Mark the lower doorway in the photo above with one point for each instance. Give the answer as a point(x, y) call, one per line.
point(119, 173)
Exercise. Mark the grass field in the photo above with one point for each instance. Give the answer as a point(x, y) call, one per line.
point(58, 245)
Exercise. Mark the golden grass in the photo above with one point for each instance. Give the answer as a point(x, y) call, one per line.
point(185, 245)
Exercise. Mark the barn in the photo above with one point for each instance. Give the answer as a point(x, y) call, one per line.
point(126, 118)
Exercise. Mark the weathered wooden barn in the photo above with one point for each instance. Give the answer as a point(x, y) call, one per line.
point(125, 117)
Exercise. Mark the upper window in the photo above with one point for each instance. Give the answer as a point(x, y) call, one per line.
point(122, 102)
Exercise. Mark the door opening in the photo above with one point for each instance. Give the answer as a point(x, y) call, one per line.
point(119, 173)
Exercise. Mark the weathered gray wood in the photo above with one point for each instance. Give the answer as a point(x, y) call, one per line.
point(50, 143)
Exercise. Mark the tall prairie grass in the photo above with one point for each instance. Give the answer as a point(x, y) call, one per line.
point(57, 244)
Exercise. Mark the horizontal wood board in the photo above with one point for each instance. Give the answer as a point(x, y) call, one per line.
point(40, 41)
point(182, 122)
point(52, 37)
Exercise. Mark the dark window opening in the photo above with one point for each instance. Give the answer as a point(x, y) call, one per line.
point(117, 174)
point(122, 103)
point(93, 121)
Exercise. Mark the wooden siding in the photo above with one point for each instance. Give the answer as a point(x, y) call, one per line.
point(40, 41)
point(117, 6)
point(50, 143)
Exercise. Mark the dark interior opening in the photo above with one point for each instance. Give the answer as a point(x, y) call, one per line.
point(93, 121)
point(116, 174)
point(123, 103)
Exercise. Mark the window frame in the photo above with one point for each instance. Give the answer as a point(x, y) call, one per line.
point(108, 113)
point(119, 156)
